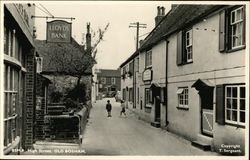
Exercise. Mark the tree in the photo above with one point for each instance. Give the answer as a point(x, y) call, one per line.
point(75, 61)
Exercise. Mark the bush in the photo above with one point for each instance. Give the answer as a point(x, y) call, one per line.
point(56, 96)
point(78, 93)
point(72, 105)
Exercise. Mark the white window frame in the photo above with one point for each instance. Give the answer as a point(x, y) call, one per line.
point(113, 80)
point(11, 105)
point(189, 45)
point(237, 23)
point(148, 59)
point(148, 96)
point(39, 64)
point(238, 98)
point(182, 94)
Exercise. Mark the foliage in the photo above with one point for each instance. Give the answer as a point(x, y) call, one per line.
point(72, 105)
point(56, 96)
point(75, 61)
point(78, 93)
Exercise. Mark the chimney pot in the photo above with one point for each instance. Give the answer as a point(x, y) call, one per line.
point(163, 10)
point(158, 11)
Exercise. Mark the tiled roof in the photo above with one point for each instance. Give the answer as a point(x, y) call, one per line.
point(176, 19)
point(109, 73)
point(45, 50)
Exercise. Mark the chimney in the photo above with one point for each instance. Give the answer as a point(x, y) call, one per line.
point(160, 14)
point(88, 39)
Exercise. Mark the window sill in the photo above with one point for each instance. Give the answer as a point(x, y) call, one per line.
point(185, 63)
point(182, 108)
point(148, 106)
point(235, 49)
point(148, 67)
point(235, 125)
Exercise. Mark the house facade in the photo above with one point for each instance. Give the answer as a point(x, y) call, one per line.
point(130, 81)
point(109, 81)
point(206, 71)
point(193, 75)
point(24, 87)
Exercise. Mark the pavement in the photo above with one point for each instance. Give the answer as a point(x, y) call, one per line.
point(129, 136)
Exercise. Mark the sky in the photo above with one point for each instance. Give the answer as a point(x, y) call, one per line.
point(119, 40)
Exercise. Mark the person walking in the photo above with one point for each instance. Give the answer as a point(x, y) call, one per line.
point(109, 108)
point(123, 109)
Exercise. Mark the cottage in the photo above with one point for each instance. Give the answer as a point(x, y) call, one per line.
point(193, 80)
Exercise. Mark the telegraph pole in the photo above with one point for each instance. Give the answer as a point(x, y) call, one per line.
point(136, 25)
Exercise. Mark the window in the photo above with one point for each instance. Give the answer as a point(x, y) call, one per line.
point(235, 104)
point(131, 94)
point(148, 96)
point(108, 80)
point(103, 80)
point(188, 45)
point(232, 29)
point(39, 64)
point(11, 88)
point(148, 59)
point(124, 70)
point(137, 64)
point(113, 80)
point(184, 47)
point(236, 25)
point(182, 97)
point(131, 68)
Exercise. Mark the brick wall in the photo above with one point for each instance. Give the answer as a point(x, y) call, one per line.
point(40, 107)
point(30, 100)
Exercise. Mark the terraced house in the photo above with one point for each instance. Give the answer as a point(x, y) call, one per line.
point(193, 73)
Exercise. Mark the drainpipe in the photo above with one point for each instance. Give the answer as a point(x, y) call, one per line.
point(166, 83)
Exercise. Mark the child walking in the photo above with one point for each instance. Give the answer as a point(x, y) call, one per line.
point(123, 109)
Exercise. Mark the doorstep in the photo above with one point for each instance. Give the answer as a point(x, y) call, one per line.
point(156, 124)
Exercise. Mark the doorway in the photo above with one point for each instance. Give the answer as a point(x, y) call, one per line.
point(206, 97)
point(206, 93)
point(157, 109)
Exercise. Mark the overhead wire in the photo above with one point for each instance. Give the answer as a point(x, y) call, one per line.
point(46, 10)
point(41, 10)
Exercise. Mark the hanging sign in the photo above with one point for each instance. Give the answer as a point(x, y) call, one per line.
point(58, 31)
point(147, 75)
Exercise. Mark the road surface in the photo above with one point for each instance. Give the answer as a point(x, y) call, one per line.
point(129, 136)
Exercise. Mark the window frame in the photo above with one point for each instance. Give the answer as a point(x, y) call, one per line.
point(238, 98)
point(183, 97)
point(148, 58)
point(188, 46)
point(148, 97)
point(113, 80)
point(235, 23)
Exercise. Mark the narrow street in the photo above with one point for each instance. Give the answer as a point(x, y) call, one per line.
point(129, 136)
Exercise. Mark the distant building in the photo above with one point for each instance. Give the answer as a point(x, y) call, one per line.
point(109, 81)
